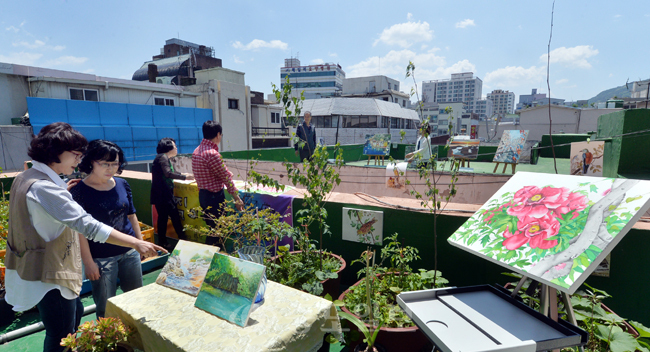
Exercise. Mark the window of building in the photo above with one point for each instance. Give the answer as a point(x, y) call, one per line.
point(233, 104)
point(404, 103)
point(163, 101)
point(275, 117)
point(394, 123)
point(84, 94)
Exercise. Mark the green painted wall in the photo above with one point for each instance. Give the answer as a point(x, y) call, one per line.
point(564, 151)
point(141, 190)
point(627, 154)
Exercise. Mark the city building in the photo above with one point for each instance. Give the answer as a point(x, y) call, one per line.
point(483, 107)
point(534, 99)
point(267, 128)
point(349, 120)
point(503, 102)
point(462, 87)
point(317, 81)
point(377, 87)
point(176, 63)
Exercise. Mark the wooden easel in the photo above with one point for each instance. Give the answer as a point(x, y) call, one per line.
point(462, 162)
point(504, 167)
point(548, 305)
point(376, 159)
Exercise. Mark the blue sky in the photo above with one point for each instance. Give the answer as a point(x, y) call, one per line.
point(596, 44)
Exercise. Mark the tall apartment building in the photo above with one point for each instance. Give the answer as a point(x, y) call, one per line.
point(527, 99)
point(462, 87)
point(317, 81)
point(503, 101)
point(482, 107)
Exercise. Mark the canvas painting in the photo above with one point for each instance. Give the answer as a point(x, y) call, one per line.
point(463, 149)
point(396, 175)
point(229, 288)
point(364, 226)
point(553, 228)
point(587, 158)
point(186, 267)
point(510, 147)
point(377, 144)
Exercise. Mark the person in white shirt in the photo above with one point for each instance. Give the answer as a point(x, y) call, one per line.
point(43, 261)
point(422, 153)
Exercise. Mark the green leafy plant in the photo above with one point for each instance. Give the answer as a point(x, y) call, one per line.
point(306, 269)
point(383, 283)
point(247, 227)
point(606, 329)
point(431, 173)
point(291, 105)
point(370, 334)
point(101, 335)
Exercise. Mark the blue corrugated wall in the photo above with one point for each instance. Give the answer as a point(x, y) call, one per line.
point(135, 128)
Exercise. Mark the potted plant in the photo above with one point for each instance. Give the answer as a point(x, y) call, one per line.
point(102, 335)
point(310, 269)
point(382, 284)
point(369, 332)
point(607, 331)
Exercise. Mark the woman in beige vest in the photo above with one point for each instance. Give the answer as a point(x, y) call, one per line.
point(43, 262)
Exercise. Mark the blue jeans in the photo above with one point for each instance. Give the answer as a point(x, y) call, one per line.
point(127, 267)
point(60, 316)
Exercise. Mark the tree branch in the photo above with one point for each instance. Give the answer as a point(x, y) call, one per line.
point(597, 213)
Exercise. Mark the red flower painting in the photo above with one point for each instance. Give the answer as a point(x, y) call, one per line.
point(534, 231)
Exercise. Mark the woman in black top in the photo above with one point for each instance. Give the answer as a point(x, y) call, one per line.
point(162, 189)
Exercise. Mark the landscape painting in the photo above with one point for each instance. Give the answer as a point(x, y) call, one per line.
point(229, 288)
point(463, 149)
point(587, 158)
point(186, 267)
point(364, 226)
point(555, 229)
point(377, 144)
point(510, 147)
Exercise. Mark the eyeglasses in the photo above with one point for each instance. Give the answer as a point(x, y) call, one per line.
point(77, 155)
point(109, 165)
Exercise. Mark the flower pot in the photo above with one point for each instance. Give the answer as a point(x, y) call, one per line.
point(330, 286)
point(391, 339)
point(255, 254)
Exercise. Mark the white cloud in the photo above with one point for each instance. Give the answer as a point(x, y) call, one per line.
point(37, 44)
point(13, 29)
point(465, 23)
point(406, 34)
point(258, 44)
point(394, 63)
point(237, 60)
point(618, 16)
point(424, 46)
point(409, 16)
point(21, 58)
point(512, 76)
point(333, 54)
point(90, 70)
point(611, 75)
point(58, 47)
point(561, 81)
point(572, 57)
point(317, 61)
point(66, 60)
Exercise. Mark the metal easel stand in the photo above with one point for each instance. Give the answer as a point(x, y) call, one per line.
point(548, 304)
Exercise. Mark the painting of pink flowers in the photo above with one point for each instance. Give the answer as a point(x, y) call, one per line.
point(555, 229)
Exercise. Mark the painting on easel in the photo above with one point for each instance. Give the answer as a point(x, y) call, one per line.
point(377, 144)
point(587, 158)
point(466, 149)
point(555, 229)
point(186, 267)
point(510, 147)
point(364, 226)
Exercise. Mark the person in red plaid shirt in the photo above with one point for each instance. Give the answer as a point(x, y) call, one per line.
point(212, 176)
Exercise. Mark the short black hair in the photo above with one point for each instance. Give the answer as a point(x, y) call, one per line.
point(164, 145)
point(99, 150)
point(211, 129)
point(53, 140)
